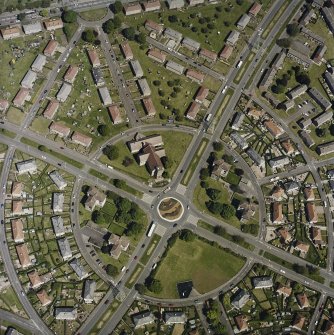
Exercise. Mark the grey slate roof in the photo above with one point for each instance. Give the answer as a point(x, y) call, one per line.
point(175, 67)
point(78, 268)
point(255, 157)
point(58, 225)
point(262, 282)
point(173, 34)
point(64, 92)
point(174, 317)
point(240, 299)
point(144, 88)
point(64, 248)
point(105, 96)
point(38, 63)
point(136, 68)
point(319, 98)
point(142, 319)
point(190, 44)
point(89, 290)
point(32, 28)
point(26, 166)
point(57, 202)
point(239, 141)
point(29, 79)
point(56, 177)
point(65, 313)
point(238, 118)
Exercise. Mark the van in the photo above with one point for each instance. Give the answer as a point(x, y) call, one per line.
point(239, 64)
point(208, 117)
point(123, 269)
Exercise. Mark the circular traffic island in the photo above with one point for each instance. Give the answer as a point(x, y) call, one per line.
point(170, 209)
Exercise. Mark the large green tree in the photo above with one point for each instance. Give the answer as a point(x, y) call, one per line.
point(69, 16)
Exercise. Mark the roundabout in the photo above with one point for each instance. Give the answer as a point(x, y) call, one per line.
point(170, 209)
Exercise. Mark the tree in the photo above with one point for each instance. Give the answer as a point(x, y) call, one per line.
point(117, 22)
point(103, 130)
point(165, 161)
point(277, 89)
point(129, 33)
point(219, 230)
point(321, 132)
point(141, 38)
point(213, 193)
point(117, 7)
point(105, 249)
point(214, 207)
point(284, 43)
point(187, 235)
point(264, 315)
point(88, 35)
point(219, 9)
point(155, 286)
point(69, 16)
point(292, 29)
point(303, 79)
point(172, 18)
point(123, 204)
point(240, 2)
point(134, 229)
point(141, 288)
point(239, 172)
point(227, 211)
point(228, 158)
point(98, 217)
point(217, 146)
point(204, 184)
point(204, 173)
point(298, 268)
point(127, 161)
point(108, 26)
point(156, 82)
point(212, 315)
point(44, 12)
point(211, 26)
point(112, 270)
point(194, 29)
point(119, 183)
point(111, 152)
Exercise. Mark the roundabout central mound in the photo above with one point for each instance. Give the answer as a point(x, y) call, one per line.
point(170, 209)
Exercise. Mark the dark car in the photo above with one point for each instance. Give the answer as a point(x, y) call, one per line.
point(59, 164)
point(1, 221)
point(107, 301)
point(135, 257)
point(174, 225)
point(143, 245)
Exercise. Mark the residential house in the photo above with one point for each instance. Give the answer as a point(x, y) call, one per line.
point(53, 24)
point(71, 74)
point(309, 194)
point(279, 162)
point(89, 291)
point(196, 76)
point(304, 123)
point(238, 119)
point(138, 143)
point(226, 53)
point(136, 68)
point(297, 91)
point(239, 140)
point(193, 110)
point(284, 290)
point(173, 34)
point(318, 3)
point(43, 298)
point(279, 60)
point(291, 187)
point(278, 193)
point(126, 50)
point(277, 213)
point(319, 54)
point(255, 157)
point(329, 78)
point(328, 14)
point(312, 36)
point(175, 67)
point(51, 109)
point(149, 106)
point(316, 236)
point(27, 166)
point(299, 58)
point(94, 58)
point(328, 328)
point(32, 28)
point(319, 98)
point(245, 211)
point(21, 97)
point(142, 319)
point(65, 313)
point(57, 202)
point(105, 96)
point(115, 114)
point(298, 322)
point(132, 8)
point(175, 4)
point(243, 21)
point(144, 88)
point(302, 300)
point(64, 248)
point(157, 55)
point(151, 157)
point(274, 129)
point(58, 225)
point(220, 169)
point(94, 198)
point(17, 207)
point(23, 255)
point(153, 26)
point(208, 55)
point(190, 44)
point(255, 9)
point(240, 299)
point(288, 104)
point(59, 129)
point(51, 48)
point(201, 94)
point(325, 149)
point(10, 32)
point(233, 38)
point(323, 118)
point(17, 189)
point(17, 230)
point(284, 235)
point(306, 17)
point(39, 63)
point(119, 244)
point(58, 180)
point(262, 282)
point(98, 76)
point(306, 138)
point(302, 248)
point(288, 147)
point(35, 279)
point(151, 5)
point(4, 104)
point(64, 92)
point(78, 268)
point(311, 213)
point(175, 317)
point(241, 321)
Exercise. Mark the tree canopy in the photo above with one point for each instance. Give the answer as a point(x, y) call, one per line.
point(69, 16)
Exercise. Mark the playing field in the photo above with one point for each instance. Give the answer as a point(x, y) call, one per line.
point(207, 266)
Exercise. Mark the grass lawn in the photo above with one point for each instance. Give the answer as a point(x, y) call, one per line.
point(200, 198)
point(207, 266)
point(10, 302)
point(70, 29)
point(94, 15)
point(150, 248)
point(40, 125)
point(14, 115)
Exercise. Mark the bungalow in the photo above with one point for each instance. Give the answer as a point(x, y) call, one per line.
point(126, 50)
point(94, 58)
point(284, 235)
point(94, 198)
point(132, 8)
point(238, 119)
point(71, 74)
point(17, 230)
point(278, 193)
point(226, 53)
point(115, 114)
point(136, 68)
point(274, 129)
point(51, 109)
point(243, 21)
point(201, 94)
point(255, 157)
point(323, 118)
point(64, 248)
point(208, 55)
point(105, 96)
point(175, 4)
point(193, 110)
point(58, 225)
point(81, 139)
point(32, 28)
point(64, 92)
point(17, 189)
point(43, 298)
point(38, 63)
point(190, 44)
point(153, 26)
point(173, 34)
point(10, 32)
point(157, 55)
point(57, 202)
point(151, 5)
point(284, 290)
point(239, 140)
point(51, 48)
point(233, 38)
point(277, 213)
point(174, 67)
point(78, 268)
point(196, 76)
point(89, 291)
point(255, 9)
point(23, 255)
point(119, 244)
point(144, 88)
point(302, 247)
point(65, 313)
point(325, 149)
point(27, 166)
point(4, 104)
point(58, 180)
point(241, 321)
point(298, 322)
point(324, 103)
point(176, 317)
point(59, 129)
point(21, 97)
point(29, 79)
point(240, 299)
point(53, 24)
point(302, 300)
point(149, 106)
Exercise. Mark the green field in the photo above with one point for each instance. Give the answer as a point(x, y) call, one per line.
point(94, 15)
point(207, 266)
